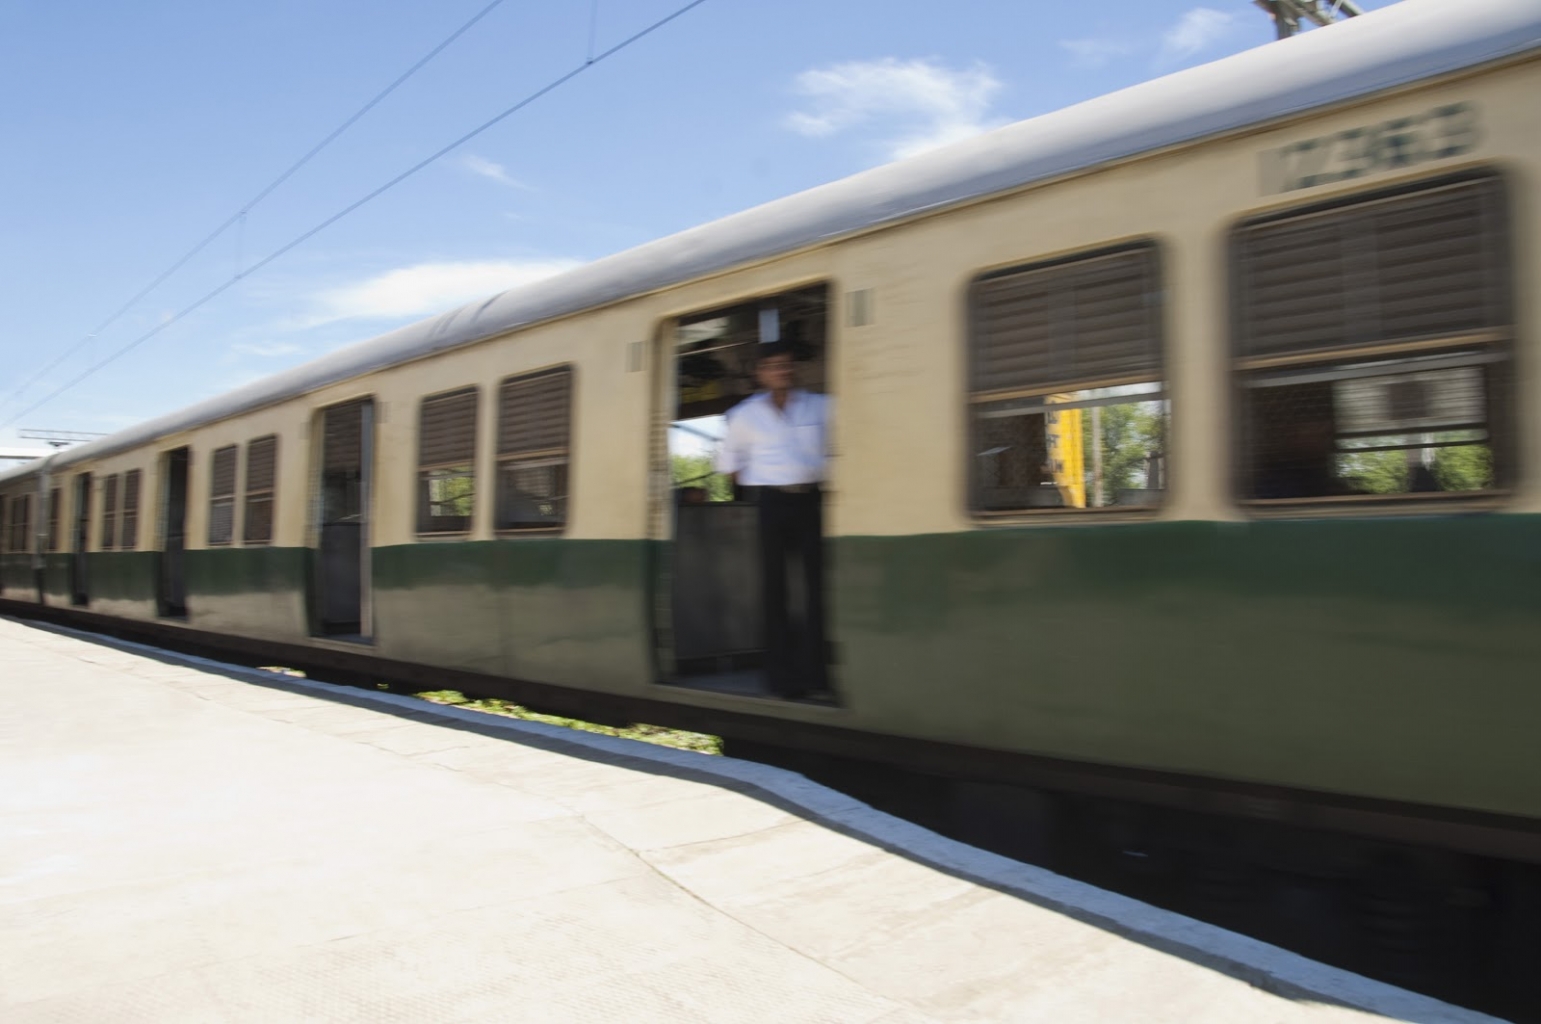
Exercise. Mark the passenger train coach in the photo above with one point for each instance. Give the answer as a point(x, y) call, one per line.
point(1188, 454)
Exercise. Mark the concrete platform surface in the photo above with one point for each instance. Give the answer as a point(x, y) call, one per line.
point(183, 841)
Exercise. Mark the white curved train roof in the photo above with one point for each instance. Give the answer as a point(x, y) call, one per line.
point(1399, 45)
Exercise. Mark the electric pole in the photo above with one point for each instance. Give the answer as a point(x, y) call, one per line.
point(57, 438)
point(1288, 15)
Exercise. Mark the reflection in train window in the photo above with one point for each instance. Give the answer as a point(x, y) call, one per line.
point(1372, 348)
point(1068, 408)
point(1034, 451)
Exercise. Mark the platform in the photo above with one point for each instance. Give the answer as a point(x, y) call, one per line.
point(184, 841)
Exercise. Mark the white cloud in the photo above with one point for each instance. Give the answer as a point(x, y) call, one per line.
point(1097, 52)
point(915, 104)
point(427, 288)
point(1196, 30)
point(480, 165)
point(266, 349)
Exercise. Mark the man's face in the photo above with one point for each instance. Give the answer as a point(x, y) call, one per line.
point(775, 373)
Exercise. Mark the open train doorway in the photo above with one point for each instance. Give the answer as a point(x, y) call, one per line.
point(80, 543)
point(171, 585)
point(711, 593)
point(342, 531)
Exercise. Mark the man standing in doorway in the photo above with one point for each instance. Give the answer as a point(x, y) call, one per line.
point(778, 442)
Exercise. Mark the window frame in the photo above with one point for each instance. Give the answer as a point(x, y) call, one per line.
point(1502, 407)
point(108, 535)
point(216, 497)
point(548, 456)
point(82, 494)
point(269, 494)
point(426, 525)
point(1156, 247)
point(128, 517)
point(25, 528)
point(55, 517)
point(18, 523)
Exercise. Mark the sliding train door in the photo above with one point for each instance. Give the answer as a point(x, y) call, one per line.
point(341, 580)
point(171, 583)
point(707, 589)
point(80, 543)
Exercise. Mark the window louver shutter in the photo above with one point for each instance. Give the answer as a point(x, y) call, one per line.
point(344, 441)
point(261, 464)
point(222, 479)
point(109, 512)
point(21, 523)
point(1401, 269)
point(534, 414)
point(259, 522)
point(1068, 324)
point(130, 526)
point(222, 496)
point(447, 430)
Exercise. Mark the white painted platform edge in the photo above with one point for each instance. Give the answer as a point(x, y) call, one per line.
point(1247, 958)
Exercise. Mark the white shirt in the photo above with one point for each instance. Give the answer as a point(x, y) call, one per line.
point(770, 447)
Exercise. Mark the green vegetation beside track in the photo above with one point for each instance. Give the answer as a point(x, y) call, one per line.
point(698, 742)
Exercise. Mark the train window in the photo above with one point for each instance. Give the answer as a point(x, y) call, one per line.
point(534, 428)
point(128, 530)
point(21, 522)
point(261, 479)
point(1372, 348)
point(222, 495)
point(55, 512)
point(446, 462)
point(1068, 405)
point(110, 512)
point(5, 522)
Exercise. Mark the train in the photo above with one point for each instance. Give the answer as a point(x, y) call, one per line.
point(1187, 461)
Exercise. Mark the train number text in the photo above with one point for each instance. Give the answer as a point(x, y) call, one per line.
point(1438, 134)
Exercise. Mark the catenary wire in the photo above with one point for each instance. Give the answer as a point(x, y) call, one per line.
point(239, 217)
point(340, 214)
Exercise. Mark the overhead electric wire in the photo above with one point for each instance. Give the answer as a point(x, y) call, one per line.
point(339, 215)
point(245, 208)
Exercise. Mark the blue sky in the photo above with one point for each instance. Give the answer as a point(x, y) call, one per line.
point(133, 130)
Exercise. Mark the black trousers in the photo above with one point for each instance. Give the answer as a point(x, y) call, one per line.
point(792, 551)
